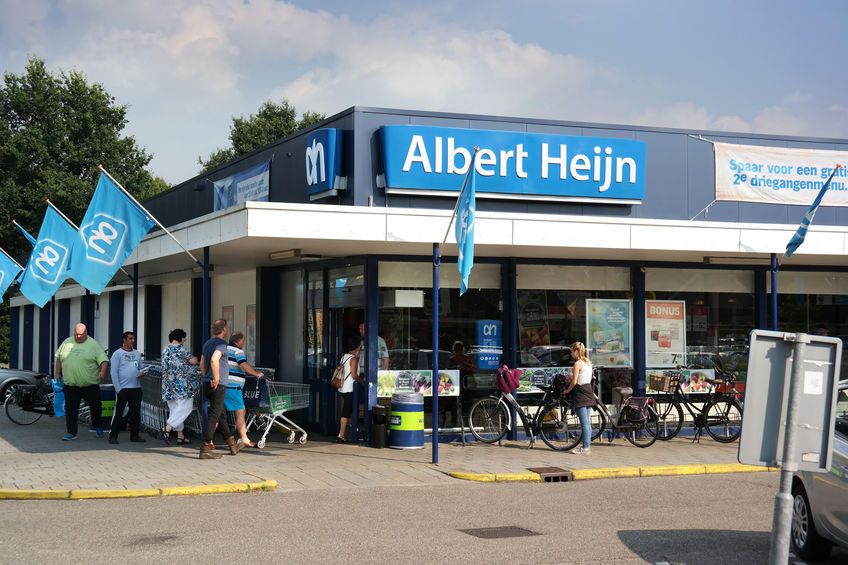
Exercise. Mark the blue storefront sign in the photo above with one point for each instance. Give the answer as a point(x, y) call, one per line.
point(533, 166)
point(324, 163)
point(489, 343)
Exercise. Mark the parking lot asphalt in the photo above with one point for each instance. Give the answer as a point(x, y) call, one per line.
point(37, 464)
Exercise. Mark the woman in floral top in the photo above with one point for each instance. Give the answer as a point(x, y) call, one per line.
point(179, 383)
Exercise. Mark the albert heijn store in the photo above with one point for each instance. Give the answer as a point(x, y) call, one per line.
point(651, 245)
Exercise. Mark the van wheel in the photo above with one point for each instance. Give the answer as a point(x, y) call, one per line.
point(806, 541)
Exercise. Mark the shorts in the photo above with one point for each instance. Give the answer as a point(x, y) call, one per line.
point(233, 400)
point(347, 404)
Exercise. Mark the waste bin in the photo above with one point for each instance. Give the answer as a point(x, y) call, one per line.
point(107, 406)
point(379, 431)
point(406, 422)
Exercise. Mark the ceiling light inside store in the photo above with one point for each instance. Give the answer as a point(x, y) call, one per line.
point(737, 261)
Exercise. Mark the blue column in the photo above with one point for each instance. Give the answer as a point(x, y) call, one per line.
point(637, 274)
point(435, 383)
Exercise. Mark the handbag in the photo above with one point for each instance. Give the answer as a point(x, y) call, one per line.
point(338, 378)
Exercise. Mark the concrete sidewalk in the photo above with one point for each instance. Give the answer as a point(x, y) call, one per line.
point(35, 459)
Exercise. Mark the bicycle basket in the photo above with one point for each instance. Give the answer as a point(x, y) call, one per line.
point(508, 379)
point(635, 410)
point(662, 383)
point(25, 396)
point(560, 385)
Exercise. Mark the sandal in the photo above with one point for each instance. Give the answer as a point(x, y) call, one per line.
point(166, 435)
point(183, 440)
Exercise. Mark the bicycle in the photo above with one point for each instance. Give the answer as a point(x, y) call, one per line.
point(26, 404)
point(489, 419)
point(636, 417)
point(720, 415)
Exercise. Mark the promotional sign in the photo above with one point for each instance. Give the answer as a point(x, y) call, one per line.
point(532, 377)
point(692, 381)
point(777, 175)
point(665, 332)
point(489, 342)
point(324, 163)
point(249, 185)
point(609, 327)
point(420, 381)
point(533, 327)
point(434, 160)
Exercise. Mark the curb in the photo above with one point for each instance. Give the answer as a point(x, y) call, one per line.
point(89, 494)
point(619, 472)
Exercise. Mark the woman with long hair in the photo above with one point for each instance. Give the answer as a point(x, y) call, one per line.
point(583, 396)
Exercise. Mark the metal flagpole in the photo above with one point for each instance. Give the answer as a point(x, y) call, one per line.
point(434, 385)
point(774, 268)
point(151, 216)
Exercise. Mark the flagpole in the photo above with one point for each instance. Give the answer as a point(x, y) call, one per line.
point(10, 258)
point(456, 206)
point(151, 216)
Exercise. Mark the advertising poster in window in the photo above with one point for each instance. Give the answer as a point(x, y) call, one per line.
point(489, 343)
point(228, 313)
point(420, 381)
point(609, 330)
point(665, 332)
point(532, 377)
point(250, 334)
point(533, 320)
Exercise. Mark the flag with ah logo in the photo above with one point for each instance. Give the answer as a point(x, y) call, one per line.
point(48, 264)
point(464, 228)
point(112, 228)
point(801, 233)
point(9, 271)
point(32, 241)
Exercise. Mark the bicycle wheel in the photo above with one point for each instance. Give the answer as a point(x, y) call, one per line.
point(670, 418)
point(723, 419)
point(17, 414)
point(488, 419)
point(558, 431)
point(596, 417)
point(646, 434)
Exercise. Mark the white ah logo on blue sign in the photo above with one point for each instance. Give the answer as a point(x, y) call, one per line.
point(48, 261)
point(314, 156)
point(104, 238)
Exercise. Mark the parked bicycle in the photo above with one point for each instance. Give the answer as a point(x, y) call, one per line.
point(635, 417)
point(26, 404)
point(720, 414)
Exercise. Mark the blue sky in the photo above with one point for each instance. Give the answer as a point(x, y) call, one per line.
point(185, 67)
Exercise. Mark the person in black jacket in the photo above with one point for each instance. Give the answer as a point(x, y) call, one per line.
point(583, 396)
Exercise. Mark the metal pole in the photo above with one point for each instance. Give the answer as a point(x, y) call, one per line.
point(205, 309)
point(434, 385)
point(135, 300)
point(782, 522)
point(52, 334)
point(774, 268)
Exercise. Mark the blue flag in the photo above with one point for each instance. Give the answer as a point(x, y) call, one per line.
point(801, 233)
point(9, 271)
point(47, 268)
point(465, 226)
point(32, 241)
point(112, 228)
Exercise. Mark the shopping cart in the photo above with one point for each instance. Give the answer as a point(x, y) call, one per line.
point(273, 402)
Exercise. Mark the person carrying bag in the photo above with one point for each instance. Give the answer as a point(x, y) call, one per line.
point(348, 366)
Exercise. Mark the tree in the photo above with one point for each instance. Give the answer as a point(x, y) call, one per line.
point(54, 131)
point(272, 122)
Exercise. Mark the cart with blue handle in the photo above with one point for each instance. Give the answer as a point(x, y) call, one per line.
point(268, 401)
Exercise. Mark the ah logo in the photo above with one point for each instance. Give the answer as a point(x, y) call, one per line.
point(48, 260)
point(323, 162)
point(2, 278)
point(104, 238)
point(315, 163)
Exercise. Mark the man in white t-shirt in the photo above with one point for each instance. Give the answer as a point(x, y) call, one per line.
point(382, 352)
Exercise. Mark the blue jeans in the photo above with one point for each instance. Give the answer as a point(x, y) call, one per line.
point(585, 425)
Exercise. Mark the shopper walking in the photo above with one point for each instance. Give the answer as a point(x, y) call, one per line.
point(179, 385)
point(214, 368)
point(125, 366)
point(234, 399)
point(81, 364)
point(583, 398)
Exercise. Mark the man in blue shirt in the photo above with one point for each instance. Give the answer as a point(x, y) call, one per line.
point(215, 370)
point(126, 366)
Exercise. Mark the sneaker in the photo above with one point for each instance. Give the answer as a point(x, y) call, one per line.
point(69, 437)
point(113, 440)
point(99, 432)
point(582, 451)
point(138, 440)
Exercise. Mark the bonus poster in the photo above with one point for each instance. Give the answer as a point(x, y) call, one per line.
point(665, 332)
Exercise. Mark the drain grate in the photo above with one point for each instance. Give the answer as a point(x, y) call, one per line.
point(499, 532)
point(553, 474)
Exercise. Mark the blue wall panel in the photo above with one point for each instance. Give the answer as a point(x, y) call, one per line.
point(14, 336)
point(29, 322)
point(45, 348)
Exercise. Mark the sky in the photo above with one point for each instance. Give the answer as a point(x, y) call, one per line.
point(185, 68)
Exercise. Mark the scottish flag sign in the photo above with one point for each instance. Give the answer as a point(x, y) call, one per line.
point(9, 271)
point(112, 228)
point(48, 264)
point(465, 227)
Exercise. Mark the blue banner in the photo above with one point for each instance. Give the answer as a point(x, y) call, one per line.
point(9, 271)
point(251, 184)
point(112, 228)
point(535, 166)
point(48, 264)
point(489, 344)
point(464, 227)
point(801, 232)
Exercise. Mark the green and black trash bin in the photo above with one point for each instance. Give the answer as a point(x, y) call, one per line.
point(379, 430)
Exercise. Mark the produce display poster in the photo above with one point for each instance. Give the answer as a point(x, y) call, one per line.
point(531, 377)
point(665, 332)
point(421, 381)
point(693, 381)
point(609, 328)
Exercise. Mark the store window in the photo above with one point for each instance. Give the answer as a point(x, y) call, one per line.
point(406, 324)
point(813, 303)
point(719, 313)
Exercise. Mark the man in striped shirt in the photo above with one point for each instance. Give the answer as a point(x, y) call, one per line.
point(234, 401)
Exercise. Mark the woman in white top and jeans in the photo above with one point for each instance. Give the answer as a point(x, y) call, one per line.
point(583, 397)
point(350, 361)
